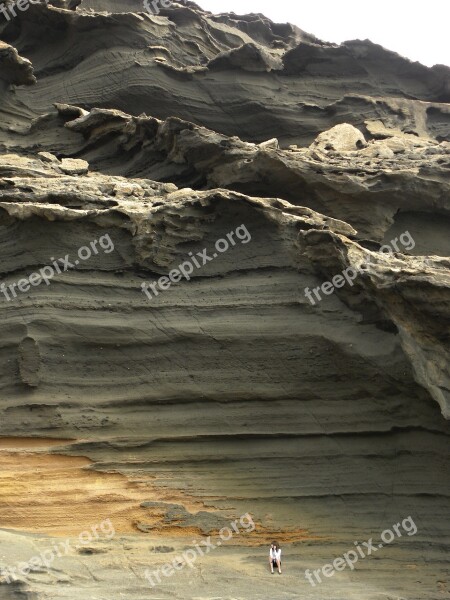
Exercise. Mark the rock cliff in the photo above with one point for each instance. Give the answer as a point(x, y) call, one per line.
point(224, 291)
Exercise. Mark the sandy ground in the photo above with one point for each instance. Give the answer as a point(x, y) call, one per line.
point(225, 573)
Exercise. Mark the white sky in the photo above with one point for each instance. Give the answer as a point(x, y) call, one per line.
point(417, 29)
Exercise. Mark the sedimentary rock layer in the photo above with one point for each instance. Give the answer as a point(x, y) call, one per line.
point(130, 144)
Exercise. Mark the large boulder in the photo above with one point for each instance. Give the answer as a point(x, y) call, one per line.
point(340, 138)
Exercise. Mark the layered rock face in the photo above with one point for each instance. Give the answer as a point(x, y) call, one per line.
point(224, 293)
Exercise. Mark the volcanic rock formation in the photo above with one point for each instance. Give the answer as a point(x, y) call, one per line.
point(297, 371)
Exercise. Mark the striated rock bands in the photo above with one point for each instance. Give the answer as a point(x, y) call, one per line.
point(224, 292)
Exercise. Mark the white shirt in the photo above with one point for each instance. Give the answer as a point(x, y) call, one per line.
point(275, 554)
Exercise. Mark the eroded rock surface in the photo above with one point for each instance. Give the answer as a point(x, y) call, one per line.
point(300, 375)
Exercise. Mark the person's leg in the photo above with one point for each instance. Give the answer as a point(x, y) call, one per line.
point(279, 566)
point(271, 564)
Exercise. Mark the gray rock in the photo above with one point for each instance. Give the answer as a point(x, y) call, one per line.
point(340, 138)
point(74, 166)
point(294, 384)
